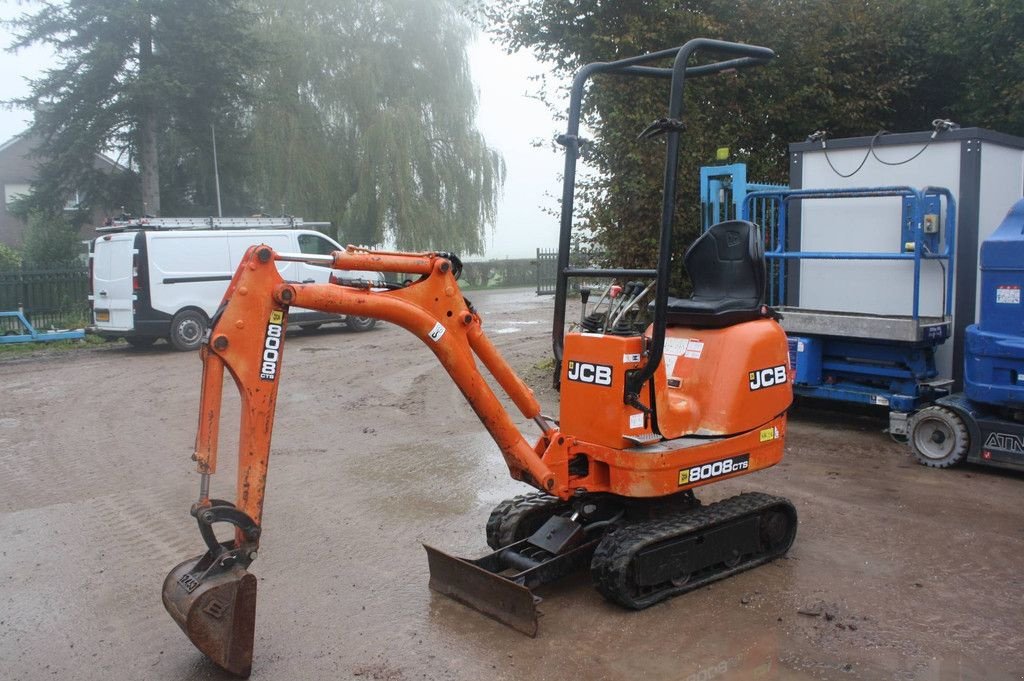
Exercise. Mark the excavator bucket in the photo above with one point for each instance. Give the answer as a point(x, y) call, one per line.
point(215, 605)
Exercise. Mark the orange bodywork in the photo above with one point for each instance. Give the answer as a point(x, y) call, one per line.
point(704, 418)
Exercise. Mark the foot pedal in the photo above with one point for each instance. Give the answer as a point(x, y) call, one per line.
point(642, 439)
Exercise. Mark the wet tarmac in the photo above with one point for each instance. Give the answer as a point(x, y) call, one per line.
point(898, 572)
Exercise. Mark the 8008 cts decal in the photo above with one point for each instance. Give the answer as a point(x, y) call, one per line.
point(733, 464)
point(272, 346)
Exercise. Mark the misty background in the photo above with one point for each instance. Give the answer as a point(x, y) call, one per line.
point(511, 119)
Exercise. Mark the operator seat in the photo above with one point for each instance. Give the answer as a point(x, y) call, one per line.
point(727, 269)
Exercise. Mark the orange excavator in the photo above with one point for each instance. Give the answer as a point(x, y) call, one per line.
point(649, 412)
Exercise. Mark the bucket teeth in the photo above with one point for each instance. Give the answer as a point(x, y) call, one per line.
point(216, 608)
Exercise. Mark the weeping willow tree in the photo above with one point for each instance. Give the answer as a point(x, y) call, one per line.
point(366, 118)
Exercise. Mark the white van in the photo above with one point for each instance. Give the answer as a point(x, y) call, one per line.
point(152, 284)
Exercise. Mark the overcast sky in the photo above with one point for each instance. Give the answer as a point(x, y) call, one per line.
point(509, 119)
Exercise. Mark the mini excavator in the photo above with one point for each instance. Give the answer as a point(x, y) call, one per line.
point(649, 412)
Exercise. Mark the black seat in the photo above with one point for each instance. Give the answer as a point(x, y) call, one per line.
point(727, 269)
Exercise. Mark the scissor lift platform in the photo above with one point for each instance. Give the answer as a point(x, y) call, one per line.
point(869, 356)
point(899, 328)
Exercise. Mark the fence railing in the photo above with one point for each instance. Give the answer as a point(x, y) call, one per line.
point(499, 273)
point(547, 268)
point(50, 297)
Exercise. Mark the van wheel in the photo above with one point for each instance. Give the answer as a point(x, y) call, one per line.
point(187, 330)
point(360, 323)
point(140, 341)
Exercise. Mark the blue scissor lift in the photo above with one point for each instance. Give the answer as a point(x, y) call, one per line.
point(886, 360)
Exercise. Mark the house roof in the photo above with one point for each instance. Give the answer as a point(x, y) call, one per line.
point(23, 136)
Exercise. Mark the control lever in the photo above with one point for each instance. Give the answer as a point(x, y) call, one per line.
point(584, 297)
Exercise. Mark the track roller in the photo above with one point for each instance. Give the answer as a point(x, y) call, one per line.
point(645, 562)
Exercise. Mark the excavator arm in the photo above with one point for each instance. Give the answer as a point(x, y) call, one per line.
point(212, 597)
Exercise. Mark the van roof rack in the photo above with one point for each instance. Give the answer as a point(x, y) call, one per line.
point(127, 223)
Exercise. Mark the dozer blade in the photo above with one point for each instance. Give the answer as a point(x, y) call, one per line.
point(216, 608)
point(487, 592)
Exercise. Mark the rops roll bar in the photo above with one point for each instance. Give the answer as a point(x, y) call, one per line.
point(738, 56)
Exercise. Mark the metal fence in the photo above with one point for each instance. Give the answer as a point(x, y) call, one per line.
point(499, 273)
point(547, 268)
point(53, 297)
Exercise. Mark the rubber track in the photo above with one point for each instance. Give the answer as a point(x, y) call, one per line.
point(610, 567)
point(506, 516)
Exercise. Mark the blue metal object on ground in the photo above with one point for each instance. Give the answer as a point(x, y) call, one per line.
point(828, 360)
point(31, 335)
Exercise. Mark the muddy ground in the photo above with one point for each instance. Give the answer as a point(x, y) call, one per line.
point(898, 572)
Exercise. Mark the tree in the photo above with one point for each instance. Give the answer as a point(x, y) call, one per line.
point(130, 74)
point(50, 240)
point(10, 259)
point(851, 67)
point(366, 117)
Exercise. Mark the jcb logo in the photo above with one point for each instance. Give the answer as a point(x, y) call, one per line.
point(585, 372)
point(766, 378)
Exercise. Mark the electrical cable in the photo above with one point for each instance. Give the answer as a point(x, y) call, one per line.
point(871, 148)
point(856, 170)
point(938, 125)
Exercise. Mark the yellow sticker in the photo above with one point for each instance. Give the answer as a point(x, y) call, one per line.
point(767, 434)
point(276, 317)
point(684, 476)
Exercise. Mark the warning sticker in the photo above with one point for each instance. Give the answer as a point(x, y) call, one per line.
point(436, 332)
point(676, 346)
point(633, 358)
point(1008, 295)
point(670, 364)
point(636, 421)
point(689, 348)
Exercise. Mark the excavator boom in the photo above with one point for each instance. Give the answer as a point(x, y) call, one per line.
point(212, 597)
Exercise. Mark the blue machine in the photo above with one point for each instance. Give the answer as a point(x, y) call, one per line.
point(886, 360)
point(723, 190)
point(31, 335)
point(985, 423)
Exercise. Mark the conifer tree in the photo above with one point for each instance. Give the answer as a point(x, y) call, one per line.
point(130, 73)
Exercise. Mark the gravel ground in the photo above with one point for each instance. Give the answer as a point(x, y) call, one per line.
point(898, 572)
